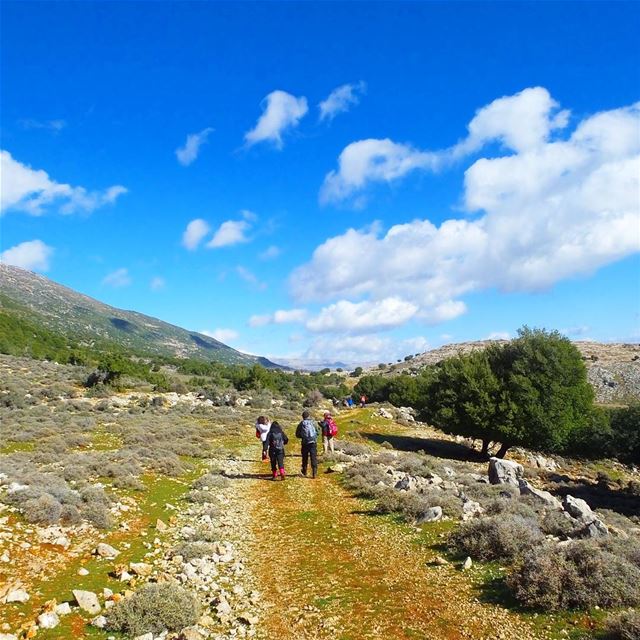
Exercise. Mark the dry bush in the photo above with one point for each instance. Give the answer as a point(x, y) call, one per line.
point(191, 550)
point(624, 625)
point(502, 537)
point(210, 481)
point(580, 575)
point(362, 479)
point(152, 609)
point(43, 510)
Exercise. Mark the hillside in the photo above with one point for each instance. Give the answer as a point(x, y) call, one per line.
point(62, 310)
point(613, 368)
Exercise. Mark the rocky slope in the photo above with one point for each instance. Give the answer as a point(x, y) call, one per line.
point(68, 312)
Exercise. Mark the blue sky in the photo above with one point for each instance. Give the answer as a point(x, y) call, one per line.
point(330, 181)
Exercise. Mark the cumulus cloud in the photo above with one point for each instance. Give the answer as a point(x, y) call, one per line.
point(372, 160)
point(32, 191)
point(552, 207)
point(341, 99)
point(362, 317)
point(194, 233)
point(33, 255)
point(521, 123)
point(229, 233)
point(118, 278)
point(282, 316)
point(222, 335)
point(189, 152)
point(281, 112)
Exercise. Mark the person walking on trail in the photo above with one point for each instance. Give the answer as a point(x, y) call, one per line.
point(262, 431)
point(329, 432)
point(363, 401)
point(277, 439)
point(307, 432)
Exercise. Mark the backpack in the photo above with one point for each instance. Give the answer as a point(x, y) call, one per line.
point(277, 441)
point(333, 428)
point(308, 431)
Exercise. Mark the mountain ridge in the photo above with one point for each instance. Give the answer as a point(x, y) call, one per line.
point(74, 314)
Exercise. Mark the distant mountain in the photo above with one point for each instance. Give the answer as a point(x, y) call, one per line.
point(72, 314)
point(312, 365)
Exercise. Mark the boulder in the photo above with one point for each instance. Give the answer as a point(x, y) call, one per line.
point(543, 496)
point(87, 601)
point(505, 471)
point(578, 508)
point(48, 620)
point(383, 413)
point(408, 483)
point(105, 550)
point(63, 609)
point(430, 515)
point(471, 509)
point(17, 595)
point(140, 568)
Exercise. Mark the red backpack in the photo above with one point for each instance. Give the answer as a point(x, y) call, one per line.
point(333, 427)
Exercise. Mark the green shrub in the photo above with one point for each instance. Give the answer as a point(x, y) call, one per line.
point(579, 575)
point(152, 609)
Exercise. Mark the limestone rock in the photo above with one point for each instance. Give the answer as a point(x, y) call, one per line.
point(17, 595)
point(505, 471)
point(467, 564)
point(87, 601)
point(48, 620)
point(430, 515)
point(105, 550)
point(543, 496)
point(140, 568)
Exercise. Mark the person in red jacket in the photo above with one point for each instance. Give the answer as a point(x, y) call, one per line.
point(329, 432)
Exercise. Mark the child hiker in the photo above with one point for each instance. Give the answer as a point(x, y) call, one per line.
point(277, 439)
point(329, 432)
point(262, 431)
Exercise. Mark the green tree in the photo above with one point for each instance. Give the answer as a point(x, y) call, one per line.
point(544, 396)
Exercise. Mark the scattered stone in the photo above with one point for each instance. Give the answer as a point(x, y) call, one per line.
point(505, 472)
point(87, 601)
point(467, 564)
point(83, 572)
point(105, 550)
point(471, 509)
point(99, 621)
point(191, 633)
point(161, 526)
point(430, 515)
point(140, 568)
point(543, 496)
point(144, 636)
point(336, 468)
point(17, 595)
point(8, 636)
point(63, 609)
point(48, 620)
point(440, 561)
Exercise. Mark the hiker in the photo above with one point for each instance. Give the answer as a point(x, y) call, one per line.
point(329, 432)
point(363, 401)
point(350, 402)
point(277, 439)
point(262, 431)
point(308, 434)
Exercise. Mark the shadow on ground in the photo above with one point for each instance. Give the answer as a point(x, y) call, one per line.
point(432, 446)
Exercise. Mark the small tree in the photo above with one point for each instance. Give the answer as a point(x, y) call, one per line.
point(356, 372)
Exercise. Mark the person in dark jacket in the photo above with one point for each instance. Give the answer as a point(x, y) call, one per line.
point(307, 431)
point(277, 440)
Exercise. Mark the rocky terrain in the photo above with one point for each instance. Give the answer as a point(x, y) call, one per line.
point(613, 368)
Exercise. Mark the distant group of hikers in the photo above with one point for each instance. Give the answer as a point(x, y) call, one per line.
point(274, 440)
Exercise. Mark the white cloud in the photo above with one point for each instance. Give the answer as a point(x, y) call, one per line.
point(522, 122)
point(549, 209)
point(340, 100)
point(33, 255)
point(372, 160)
point(282, 111)
point(194, 233)
point(157, 283)
point(250, 278)
point(118, 278)
point(270, 253)
point(222, 335)
point(189, 152)
point(30, 190)
point(282, 316)
point(229, 233)
point(362, 317)
point(51, 125)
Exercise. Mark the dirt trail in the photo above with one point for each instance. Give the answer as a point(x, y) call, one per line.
point(329, 569)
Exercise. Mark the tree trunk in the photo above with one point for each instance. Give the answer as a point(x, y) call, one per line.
point(485, 448)
point(504, 447)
